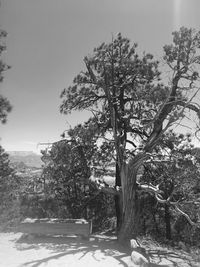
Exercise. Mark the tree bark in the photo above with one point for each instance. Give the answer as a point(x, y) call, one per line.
point(167, 222)
point(118, 200)
point(118, 210)
point(130, 219)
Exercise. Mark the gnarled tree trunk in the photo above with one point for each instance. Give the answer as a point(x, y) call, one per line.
point(130, 216)
point(118, 200)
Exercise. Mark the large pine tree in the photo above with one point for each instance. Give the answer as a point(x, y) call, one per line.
point(132, 104)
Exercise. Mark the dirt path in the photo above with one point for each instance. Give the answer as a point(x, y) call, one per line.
point(100, 251)
point(59, 251)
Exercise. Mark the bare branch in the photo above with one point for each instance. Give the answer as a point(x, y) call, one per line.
point(150, 188)
point(130, 142)
point(157, 193)
point(187, 217)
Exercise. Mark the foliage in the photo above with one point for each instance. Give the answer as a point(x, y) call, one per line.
point(9, 190)
point(66, 177)
point(5, 106)
point(178, 176)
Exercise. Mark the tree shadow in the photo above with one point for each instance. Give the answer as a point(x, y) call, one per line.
point(63, 246)
point(171, 257)
point(107, 246)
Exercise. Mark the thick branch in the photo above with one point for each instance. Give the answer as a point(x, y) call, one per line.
point(162, 115)
point(150, 188)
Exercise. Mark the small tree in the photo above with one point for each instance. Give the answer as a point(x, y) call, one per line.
point(66, 176)
point(5, 173)
point(9, 190)
point(130, 103)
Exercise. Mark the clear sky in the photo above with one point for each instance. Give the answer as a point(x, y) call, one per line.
point(47, 41)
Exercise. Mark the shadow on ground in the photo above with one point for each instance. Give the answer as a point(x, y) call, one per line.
point(171, 258)
point(63, 246)
point(98, 245)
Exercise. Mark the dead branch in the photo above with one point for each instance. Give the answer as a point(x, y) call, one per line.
point(158, 195)
point(150, 188)
point(187, 217)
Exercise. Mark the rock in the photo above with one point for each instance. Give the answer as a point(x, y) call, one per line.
point(138, 260)
point(139, 257)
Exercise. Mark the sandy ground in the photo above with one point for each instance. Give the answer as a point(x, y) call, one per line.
point(99, 251)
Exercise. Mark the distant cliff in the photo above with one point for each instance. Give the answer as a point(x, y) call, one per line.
point(29, 158)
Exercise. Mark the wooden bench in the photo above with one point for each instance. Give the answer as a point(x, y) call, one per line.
point(79, 227)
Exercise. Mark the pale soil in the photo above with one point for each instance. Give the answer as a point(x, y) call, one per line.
point(99, 251)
